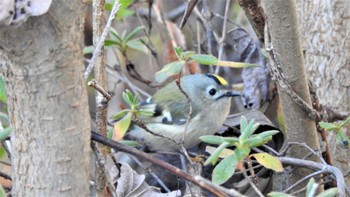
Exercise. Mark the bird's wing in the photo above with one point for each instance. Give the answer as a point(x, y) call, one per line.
point(167, 108)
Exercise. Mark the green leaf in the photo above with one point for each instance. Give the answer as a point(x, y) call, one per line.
point(231, 140)
point(145, 112)
point(114, 34)
point(126, 98)
point(120, 114)
point(108, 6)
point(169, 70)
point(88, 50)
point(204, 59)
point(311, 188)
point(129, 143)
point(342, 140)
point(269, 133)
point(328, 126)
point(111, 43)
point(329, 193)
point(3, 96)
point(248, 131)
point(268, 161)
point(253, 142)
point(243, 123)
point(345, 122)
point(178, 52)
point(226, 168)
point(134, 32)
point(2, 192)
point(278, 194)
point(138, 45)
point(212, 139)
point(187, 54)
point(235, 64)
point(121, 127)
point(123, 13)
point(4, 133)
point(215, 156)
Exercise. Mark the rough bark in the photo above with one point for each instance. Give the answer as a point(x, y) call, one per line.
point(101, 106)
point(283, 26)
point(325, 29)
point(41, 62)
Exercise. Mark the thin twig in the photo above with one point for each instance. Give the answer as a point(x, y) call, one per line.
point(217, 190)
point(144, 127)
point(302, 180)
point(191, 4)
point(103, 167)
point(100, 43)
point(6, 176)
point(189, 102)
point(93, 83)
point(256, 189)
point(223, 35)
point(316, 167)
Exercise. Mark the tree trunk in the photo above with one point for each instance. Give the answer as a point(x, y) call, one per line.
point(41, 62)
point(283, 26)
point(325, 30)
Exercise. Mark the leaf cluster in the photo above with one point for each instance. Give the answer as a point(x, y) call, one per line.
point(243, 145)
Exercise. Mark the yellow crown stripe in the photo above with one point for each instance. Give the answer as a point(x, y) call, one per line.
point(220, 79)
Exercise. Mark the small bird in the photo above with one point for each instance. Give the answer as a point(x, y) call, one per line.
point(210, 98)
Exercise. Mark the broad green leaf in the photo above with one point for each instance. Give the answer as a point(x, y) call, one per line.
point(5, 132)
point(329, 193)
point(120, 114)
point(187, 54)
point(169, 70)
point(134, 32)
point(110, 133)
point(212, 139)
point(129, 143)
point(226, 168)
point(108, 6)
point(3, 97)
point(121, 127)
point(278, 194)
point(111, 43)
point(204, 59)
point(123, 13)
point(138, 45)
point(215, 155)
point(235, 64)
point(268, 161)
point(178, 52)
point(328, 126)
point(311, 188)
point(88, 50)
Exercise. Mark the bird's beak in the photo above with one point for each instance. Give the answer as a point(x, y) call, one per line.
point(232, 94)
point(229, 94)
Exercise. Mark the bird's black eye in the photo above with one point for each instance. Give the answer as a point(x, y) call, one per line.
point(212, 91)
